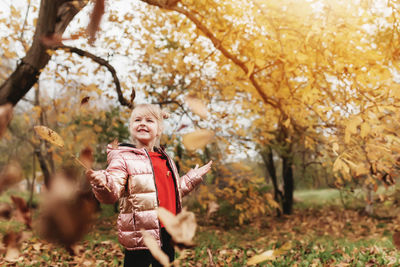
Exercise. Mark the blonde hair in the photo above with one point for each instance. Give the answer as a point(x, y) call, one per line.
point(153, 110)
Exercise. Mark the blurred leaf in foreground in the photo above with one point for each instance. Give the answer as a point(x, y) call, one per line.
point(197, 139)
point(66, 213)
point(155, 249)
point(22, 212)
point(181, 227)
point(10, 174)
point(6, 111)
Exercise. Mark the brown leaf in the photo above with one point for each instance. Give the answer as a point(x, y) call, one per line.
point(212, 207)
point(52, 40)
point(49, 135)
point(181, 227)
point(6, 112)
point(12, 242)
point(10, 174)
point(85, 100)
point(155, 249)
point(5, 210)
point(197, 106)
point(95, 18)
point(22, 212)
point(86, 157)
point(396, 239)
point(197, 139)
point(66, 213)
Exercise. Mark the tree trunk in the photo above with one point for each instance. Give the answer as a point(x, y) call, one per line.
point(288, 184)
point(267, 156)
point(54, 17)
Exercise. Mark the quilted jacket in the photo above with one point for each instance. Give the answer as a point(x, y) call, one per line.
point(130, 178)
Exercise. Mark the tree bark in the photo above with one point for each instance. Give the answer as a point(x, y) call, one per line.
point(288, 184)
point(271, 171)
point(54, 17)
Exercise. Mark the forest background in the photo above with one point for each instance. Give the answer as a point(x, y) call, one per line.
point(282, 96)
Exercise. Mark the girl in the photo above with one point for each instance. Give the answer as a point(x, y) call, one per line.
point(143, 177)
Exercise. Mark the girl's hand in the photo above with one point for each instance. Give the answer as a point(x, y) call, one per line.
point(96, 178)
point(202, 170)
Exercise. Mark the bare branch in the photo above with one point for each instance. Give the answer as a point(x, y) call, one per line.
point(110, 68)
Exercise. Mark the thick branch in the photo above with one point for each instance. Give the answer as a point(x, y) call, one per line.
point(110, 68)
point(54, 17)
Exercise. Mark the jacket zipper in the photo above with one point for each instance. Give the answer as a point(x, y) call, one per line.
point(155, 185)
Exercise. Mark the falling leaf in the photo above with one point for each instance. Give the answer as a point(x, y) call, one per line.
point(197, 139)
point(10, 174)
point(86, 157)
point(49, 135)
point(155, 249)
point(114, 143)
point(212, 207)
point(23, 213)
point(66, 213)
point(95, 18)
point(5, 210)
point(12, 242)
point(266, 255)
point(181, 227)
point(197, 106)
point(396, 239)
point(6, 111)
point(85, 100)
point(52, 40)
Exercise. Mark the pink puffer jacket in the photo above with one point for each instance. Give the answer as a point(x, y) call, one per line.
point(130, 178)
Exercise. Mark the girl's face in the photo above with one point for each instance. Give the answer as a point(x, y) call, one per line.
point(144, 129)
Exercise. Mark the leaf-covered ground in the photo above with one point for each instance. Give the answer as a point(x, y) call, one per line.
point(309, 237)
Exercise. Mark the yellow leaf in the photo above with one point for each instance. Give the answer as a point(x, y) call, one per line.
point(365, 129)
point(49, 135)
point(197, 139)
point(197, 106)
point(266, 255)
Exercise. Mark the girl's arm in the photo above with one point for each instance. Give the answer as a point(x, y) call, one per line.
point(114, 177)
point(194, 176)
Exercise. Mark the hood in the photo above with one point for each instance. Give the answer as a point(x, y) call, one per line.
point(113, 152)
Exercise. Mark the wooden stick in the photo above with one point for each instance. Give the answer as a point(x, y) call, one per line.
point(86, 168)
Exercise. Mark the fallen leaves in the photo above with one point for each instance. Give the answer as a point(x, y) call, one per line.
point(266, 255)
point(197, 139)
point(6, 112)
